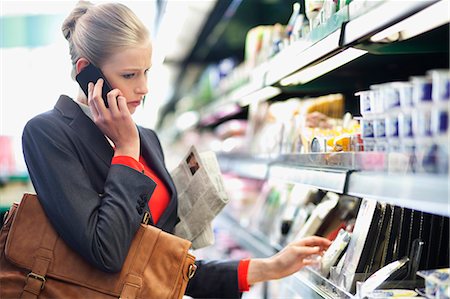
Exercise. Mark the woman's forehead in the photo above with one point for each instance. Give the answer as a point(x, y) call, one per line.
point(131, 58)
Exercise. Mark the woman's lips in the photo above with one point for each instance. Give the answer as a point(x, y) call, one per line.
point(134, 103)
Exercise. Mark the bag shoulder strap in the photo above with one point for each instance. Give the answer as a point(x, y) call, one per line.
point(35, 282)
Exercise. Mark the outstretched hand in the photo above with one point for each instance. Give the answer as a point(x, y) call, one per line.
point(292, 258)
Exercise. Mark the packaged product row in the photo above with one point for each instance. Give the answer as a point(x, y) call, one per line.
point(409, 117)
point(368, 236)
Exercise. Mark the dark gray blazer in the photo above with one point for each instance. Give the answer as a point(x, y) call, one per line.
point(97, 207)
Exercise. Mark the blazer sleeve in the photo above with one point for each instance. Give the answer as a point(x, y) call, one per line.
point(100, 227)
point(214, 279)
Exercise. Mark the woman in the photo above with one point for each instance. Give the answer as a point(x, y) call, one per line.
point(97, 173)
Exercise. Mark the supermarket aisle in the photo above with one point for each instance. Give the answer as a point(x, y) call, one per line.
point(12, 192)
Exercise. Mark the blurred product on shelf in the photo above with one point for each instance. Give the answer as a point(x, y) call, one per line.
point(437, 283)
point(302, 126)
point(318, 216)
point(335, 251)
point(284, 212)
point(410, 118)
point(244, 193)
point(231, 135)
point(312, 8)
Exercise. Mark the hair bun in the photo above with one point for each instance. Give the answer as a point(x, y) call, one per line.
point(69, 23)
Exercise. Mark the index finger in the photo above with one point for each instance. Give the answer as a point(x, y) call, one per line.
point(97, 96)
point(315, 241)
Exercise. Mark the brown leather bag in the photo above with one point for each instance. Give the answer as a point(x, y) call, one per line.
point(36, 262)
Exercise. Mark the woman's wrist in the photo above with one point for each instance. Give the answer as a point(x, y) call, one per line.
point(260, 270)
point(130, 151)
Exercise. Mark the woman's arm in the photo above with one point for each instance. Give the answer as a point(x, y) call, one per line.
point(292, 258)
point(99, 227)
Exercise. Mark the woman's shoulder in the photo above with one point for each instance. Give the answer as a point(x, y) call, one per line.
point(146, 132)
point(47, 119)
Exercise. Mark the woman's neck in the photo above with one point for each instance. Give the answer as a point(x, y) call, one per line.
point(82, 98)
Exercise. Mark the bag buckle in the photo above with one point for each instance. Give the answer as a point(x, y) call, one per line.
point(191, 270)
point(146, 218)
point(38, 277)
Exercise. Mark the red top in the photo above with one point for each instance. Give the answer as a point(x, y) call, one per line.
point(160, 200)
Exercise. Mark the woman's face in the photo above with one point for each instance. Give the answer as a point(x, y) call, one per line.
point(127, 71)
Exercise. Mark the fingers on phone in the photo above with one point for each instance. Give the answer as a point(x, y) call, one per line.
point(122, 103)
point(96, 95)
point(112, 99)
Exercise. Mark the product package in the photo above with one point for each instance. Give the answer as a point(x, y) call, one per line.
point(437, 283)
point(375, 280)
point(318, 215)
point(361, 243)
point(334, 252)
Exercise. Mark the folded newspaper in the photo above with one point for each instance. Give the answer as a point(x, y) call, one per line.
point(201, 196)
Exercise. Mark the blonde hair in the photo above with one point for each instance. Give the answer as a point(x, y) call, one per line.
point(95, 32)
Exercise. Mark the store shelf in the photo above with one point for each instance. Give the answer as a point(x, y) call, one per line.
point(423, 192)
point(347, 173)
point(327, 179)
point(381, 17)
point(319, 285)
point(288, 62)
point(244, 165)
point(304, 61)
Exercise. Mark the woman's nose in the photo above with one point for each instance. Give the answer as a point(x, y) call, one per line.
point(142, 87)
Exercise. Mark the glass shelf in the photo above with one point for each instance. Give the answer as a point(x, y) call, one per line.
point(357, 174)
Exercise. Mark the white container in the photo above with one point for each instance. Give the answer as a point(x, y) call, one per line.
point(390, 95)
point(391, 122)
point(405, 93)
point(379, 127)
point(405, 124)
point(441, 84)
point(381, 145)
point(369, 144)
point(421, 121)
point(439, 119)
point(421, 89)
point(367, 130)
point(426, 155)
point(377, 100)
point(365, 101)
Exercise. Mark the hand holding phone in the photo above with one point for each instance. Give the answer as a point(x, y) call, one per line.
point(91, 73)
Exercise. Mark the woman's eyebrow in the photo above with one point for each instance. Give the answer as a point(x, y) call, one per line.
point(136, 68)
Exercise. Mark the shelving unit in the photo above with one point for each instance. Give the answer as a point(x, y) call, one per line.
point(420, 191)
point(385, 28)
point(423, 192)
point(306, 60)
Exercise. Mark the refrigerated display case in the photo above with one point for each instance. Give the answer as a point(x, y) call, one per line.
point(417, 29)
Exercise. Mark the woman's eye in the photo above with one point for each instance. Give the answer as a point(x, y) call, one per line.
point(128, 76)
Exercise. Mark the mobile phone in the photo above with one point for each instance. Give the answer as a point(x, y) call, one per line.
point(91, 73)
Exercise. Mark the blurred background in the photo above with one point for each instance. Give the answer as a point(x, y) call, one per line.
point(187, 37)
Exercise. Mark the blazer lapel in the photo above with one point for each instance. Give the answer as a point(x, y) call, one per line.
point(85, 128)
point(149, 153)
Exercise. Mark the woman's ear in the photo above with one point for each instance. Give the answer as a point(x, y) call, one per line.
point(81, 64)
